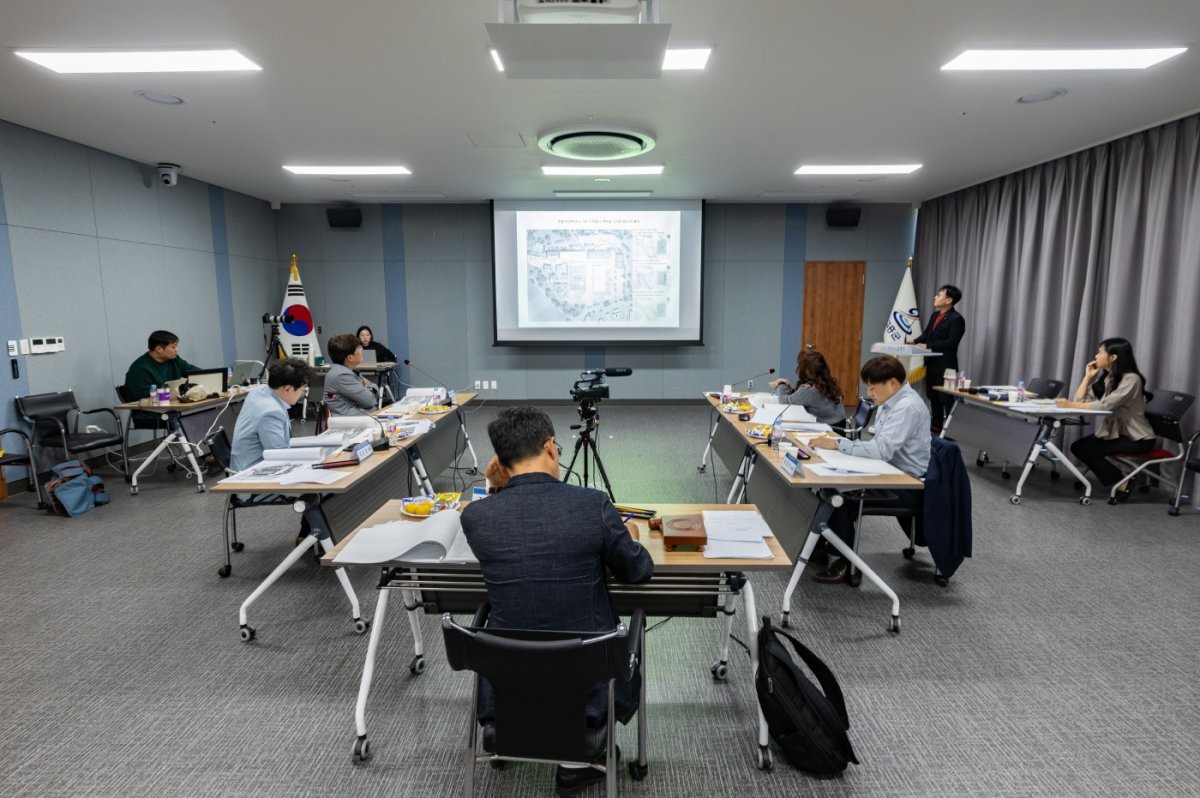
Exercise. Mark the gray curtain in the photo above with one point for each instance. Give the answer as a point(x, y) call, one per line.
point(1055, 258)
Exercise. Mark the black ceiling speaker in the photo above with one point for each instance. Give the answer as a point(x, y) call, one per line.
point(344, 217)
point(842, 216)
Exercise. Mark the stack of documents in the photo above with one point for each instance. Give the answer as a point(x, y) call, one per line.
point(285, 472)
point(768, 413)
point(439, 538)
point(838, 464)
point(736, 534)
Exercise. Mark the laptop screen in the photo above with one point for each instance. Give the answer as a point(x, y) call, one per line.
point(211, 380)
point(369, 357)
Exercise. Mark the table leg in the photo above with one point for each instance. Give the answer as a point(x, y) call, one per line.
point(361, 746)
point(150, 458)
point(954, 401)
point(708, 448)
point(474, 460)
point(825, 509)
point(853, 557)
point(414, 607)
point(181, 437)
point(248, 631)
point(720, 668)
point(737, 491)
point(418, 468)
point(751, 610)
point(1035, 451)
point(1086, 498)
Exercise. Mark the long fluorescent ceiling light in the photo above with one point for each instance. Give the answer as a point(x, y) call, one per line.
point(694, 58)
point(104, 61)
point(602, 194)
point(860, 169)
point(496, 58)
point(347, 170)
point(601, 171)
point(1061, 59)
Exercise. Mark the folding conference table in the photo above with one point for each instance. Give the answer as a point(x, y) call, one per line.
point(685, 584)
point(179, 417)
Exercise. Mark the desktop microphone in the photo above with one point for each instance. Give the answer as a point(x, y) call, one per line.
point(750, 380)
point(443, 385)
point(383, 441)
point(618, 371)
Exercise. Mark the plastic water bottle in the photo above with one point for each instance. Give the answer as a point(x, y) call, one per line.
point(1020, 390)
point(228, 377)
point(776, 433)
point(164, 394)
point(153, 394)
point(962, 377)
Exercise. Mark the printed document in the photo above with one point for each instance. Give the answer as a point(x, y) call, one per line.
point(439, 538)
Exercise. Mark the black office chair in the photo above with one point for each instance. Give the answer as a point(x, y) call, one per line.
point(1045, 388)
point(1190, 463)
point(25, 459)
point(222, 452)
point(1165, 412)
point(945, 467)
point(857, 423)
point(541, 682)
point(51, 414)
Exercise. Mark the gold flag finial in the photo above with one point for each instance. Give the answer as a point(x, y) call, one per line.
point(292, 263)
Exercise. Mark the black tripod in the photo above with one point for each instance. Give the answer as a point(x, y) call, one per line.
point(274, 349)
point(591, 418)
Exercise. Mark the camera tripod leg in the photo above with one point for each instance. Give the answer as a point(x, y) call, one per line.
point(600, 467)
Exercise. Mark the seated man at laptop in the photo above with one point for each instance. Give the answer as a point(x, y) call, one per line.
point(158, 366)
point(901, 437)
point(346, 393)
point(544, 548)
point(263, 422)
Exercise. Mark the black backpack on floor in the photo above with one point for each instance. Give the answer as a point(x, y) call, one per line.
point(807, 722)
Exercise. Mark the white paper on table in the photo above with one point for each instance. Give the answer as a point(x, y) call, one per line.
point(353, 422)
point(734, 525)
point(857, 465)
point(768, 413)
point(821, 470)
point(1041, 409)
point(313, 476)
point(438, 538)
point(302, 455)
point(737, 550)
point(801, 426)
point(327, 438)
point(760, 399)
point(266, 471)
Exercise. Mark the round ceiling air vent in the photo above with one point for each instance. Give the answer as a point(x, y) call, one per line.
point(593, 142)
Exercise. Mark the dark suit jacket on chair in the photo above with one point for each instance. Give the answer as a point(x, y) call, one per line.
point(945, 521)
point(943, 338)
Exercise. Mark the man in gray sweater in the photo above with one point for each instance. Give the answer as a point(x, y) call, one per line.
point(346, 393)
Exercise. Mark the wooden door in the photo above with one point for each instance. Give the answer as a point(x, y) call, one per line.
point(833, 308)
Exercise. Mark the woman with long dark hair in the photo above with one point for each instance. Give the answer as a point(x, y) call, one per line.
point(1112, 382)
point(816, 389)
point(382, 355)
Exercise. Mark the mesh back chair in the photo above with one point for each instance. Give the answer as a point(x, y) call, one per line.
point(861, 419)
point(1045, 388)
point(244, 370)
point(222, 451)
point(1165, 412)
point(1191, 463)
point(541, 682)
point(55, 421)
point(25, 459)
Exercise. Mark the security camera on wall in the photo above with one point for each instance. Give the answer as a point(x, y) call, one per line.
point(168, 174)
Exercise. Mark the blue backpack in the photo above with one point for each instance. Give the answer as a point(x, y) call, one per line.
point(74, 489)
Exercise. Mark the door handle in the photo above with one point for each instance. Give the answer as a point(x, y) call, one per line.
point(808, 345)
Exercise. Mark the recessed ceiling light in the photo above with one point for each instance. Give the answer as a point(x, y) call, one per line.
point(860, 169)
point(601, 194)
point(601, 179)
point(104, 61)
point(496, 58)
point(1061, 59)
point(161, 99)
point(347, 170)
point(696, 58)
point(602, 171)
point(1041, 96)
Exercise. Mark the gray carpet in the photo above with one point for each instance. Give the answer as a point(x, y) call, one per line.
point(1061, 660)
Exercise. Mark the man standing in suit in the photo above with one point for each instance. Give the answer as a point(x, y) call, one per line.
point(945, 330)
point(545, 548)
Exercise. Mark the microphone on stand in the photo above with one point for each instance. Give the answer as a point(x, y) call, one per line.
point(383, 441)
point(750, 380)
point(444, 387)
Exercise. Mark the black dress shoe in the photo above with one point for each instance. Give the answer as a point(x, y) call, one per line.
point(572, 781)
point(1123, 495)
point(839, 571)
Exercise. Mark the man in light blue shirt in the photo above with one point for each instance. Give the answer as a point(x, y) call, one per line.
point(901, 437)
point(263, 422)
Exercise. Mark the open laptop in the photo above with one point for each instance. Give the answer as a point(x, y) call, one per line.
point(369, 358)
point(211, 380)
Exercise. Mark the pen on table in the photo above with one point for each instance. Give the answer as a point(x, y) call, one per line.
point(627, 519)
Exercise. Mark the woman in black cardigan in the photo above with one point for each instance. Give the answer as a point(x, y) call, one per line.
point(382, 355)
point(945, 330)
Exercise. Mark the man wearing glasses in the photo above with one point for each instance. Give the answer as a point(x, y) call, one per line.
point(544, 548)
point(263, 422)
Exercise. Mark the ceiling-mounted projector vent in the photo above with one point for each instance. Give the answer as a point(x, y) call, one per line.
point(596, 143)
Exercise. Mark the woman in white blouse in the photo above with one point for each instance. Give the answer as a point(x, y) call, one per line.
point(1112, 382)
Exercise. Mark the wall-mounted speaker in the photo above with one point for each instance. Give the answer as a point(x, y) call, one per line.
point(344, 217)
point(842, 216)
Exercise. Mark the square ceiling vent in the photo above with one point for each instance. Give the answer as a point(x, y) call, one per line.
point(580, 52)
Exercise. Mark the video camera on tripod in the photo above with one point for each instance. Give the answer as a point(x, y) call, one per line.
point(591, 387)
point(286, 318)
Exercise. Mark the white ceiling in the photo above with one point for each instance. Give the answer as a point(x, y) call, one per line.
point(411, 82)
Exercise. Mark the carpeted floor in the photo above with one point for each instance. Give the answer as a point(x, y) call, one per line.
point(1060, 660)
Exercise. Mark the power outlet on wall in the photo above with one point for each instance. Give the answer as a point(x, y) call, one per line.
point(494, 385)
point(477, 385)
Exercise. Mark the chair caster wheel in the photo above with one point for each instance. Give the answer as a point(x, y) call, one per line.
point(417, 666)
point(362, 749)
point(894, 626)
point(720, 671)
point(784, 622)
point(247, 633)
point(1085, 500)
point(638, 772)
point(765, 762)
point(908, 553)
point(940, 581)
point(1112, 499)
point(237, 545)
point(361, 625)
point(133, 491)
point(1014, 499)
point(701, 468)
point(1005, 475)
point(855, 579)
point(201, 488)
point(224, 571)
point(980, 462)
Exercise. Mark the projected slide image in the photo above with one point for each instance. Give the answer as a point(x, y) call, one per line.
point(615, 277)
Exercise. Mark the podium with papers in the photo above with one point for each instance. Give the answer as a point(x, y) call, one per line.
point(901, 350)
